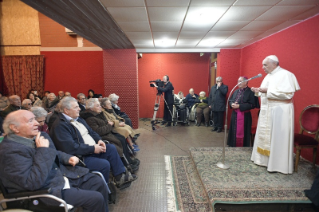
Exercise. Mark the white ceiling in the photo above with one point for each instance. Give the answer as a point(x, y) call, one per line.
point(204, 25)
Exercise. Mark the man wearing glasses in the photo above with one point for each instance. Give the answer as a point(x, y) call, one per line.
point(81, 100)
point(217, 103)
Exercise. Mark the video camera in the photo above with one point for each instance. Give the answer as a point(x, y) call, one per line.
point(158, 82)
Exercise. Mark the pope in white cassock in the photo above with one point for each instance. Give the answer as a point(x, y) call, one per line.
point(274, 140)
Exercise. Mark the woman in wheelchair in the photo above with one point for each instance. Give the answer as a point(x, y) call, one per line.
point(180, 110)
point(202, 108)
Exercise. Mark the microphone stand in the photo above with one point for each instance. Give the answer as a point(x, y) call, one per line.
point(222, 164)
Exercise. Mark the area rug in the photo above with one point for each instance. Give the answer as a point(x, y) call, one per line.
point(244, 182)
point(185, 191)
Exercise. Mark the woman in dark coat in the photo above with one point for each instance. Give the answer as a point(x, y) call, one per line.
point(242, 101)
point(96, 120)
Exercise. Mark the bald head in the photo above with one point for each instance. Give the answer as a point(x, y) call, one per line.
point(15, 100)
point(21, 123)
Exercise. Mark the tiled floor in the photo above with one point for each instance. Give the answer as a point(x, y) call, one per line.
point(148, 192)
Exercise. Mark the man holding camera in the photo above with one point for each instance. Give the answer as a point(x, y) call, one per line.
point(168, 90)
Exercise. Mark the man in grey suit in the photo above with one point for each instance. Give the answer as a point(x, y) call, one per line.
point(217, 103)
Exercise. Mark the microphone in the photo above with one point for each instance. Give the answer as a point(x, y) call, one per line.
point(257, 76)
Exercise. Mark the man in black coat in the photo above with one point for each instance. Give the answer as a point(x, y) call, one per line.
point(15, 104)
point(71, 134)
point(217, 103)
point(81, 101)
point(29, 163)
point(242, 101)
point(168, 90)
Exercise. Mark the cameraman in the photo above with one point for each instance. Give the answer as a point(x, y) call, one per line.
point(168, 90)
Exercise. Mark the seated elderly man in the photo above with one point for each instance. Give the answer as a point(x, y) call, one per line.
point(72, 135)
point(27, 104)
point(96, 120)
point(15, 104)
point(61, 95)
point(191, 98)
point(81, 100)
point(29, 161)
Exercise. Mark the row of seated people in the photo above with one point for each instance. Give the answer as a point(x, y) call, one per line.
point(84, 138)
point(201, 101)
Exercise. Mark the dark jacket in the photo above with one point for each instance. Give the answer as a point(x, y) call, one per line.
point(217, 98)
point(23, 168)
point(99, 124)
point(50, 106)
point(67, 138)
point(168, 92)
point(10, 109)
point(191, 100)
point(81, 107)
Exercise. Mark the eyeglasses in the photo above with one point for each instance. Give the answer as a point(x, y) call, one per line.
point(29, 103)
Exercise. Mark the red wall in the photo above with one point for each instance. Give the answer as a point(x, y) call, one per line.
point(120, 77)
point(185, 71)
point(228, 68)
point(74, 71)
point(297, 50)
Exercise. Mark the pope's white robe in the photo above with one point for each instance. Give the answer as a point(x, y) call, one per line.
point(274, 140)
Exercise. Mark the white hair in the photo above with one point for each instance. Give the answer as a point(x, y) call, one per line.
point(202, 92)
point(39, 112)
point(11, 119)
point(90, 103)
point(113, 97)
point(66, 103)
point(219, 79)
point(274, 59)
point(191, 89)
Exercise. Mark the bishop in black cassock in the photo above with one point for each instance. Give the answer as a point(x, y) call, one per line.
point(242, 101)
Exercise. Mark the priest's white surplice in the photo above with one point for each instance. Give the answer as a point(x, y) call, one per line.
point(273, 145)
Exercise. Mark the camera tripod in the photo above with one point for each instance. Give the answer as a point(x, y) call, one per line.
point(156, 107)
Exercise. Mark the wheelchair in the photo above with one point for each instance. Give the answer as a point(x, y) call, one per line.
point(193, 115)
point(180, 114)
point(31, 200)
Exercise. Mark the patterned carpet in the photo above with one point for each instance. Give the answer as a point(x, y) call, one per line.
point(185, 191)
point(246, 182)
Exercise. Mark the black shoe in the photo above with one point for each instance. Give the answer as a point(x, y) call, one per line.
point(135, 162)
point(163, 122)
point(168, 125)
point(206, 124)
point(219, 130)
point(132, 168)
point(214, 129)
point(198, 124)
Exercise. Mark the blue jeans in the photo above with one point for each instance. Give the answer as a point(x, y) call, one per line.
point(103, 162)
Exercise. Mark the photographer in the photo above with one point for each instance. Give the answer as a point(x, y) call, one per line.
point(169, 98)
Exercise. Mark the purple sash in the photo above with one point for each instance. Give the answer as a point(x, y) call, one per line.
point(240, 127)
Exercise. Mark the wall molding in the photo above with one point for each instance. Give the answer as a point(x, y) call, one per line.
point(66, 49)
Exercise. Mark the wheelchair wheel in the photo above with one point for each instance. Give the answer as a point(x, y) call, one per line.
point(211, 123)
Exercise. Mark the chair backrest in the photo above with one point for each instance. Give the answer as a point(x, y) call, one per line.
point(309, 119)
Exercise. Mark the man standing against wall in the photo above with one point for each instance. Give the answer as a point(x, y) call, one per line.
point(274, 145)
point(217, 103)
point(168, 90)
